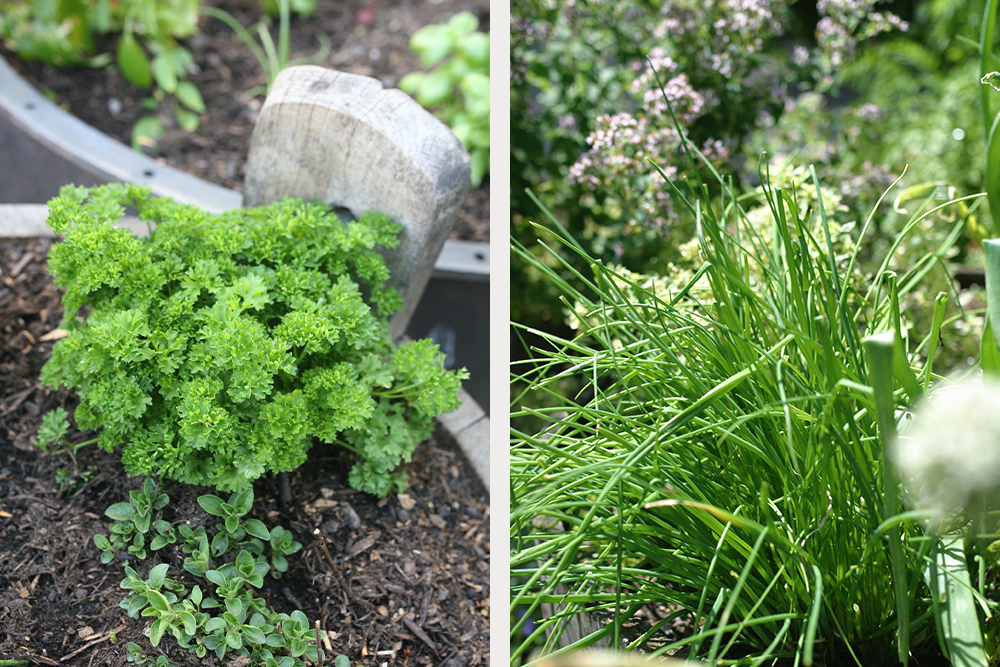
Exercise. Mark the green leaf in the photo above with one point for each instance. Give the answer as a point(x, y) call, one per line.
point(53, 429)
point(156, 631)
point(476, 48)
point(211, 504)
point(157, 601)
point(120, 511)
point(161, 501)
point(432, 43)
point(475, 89)
point(244, 562)
point(991, 251)
point(880, 351)
point(157, 575)
point(188, 121)
point(216, 577)
point(132, 61)
point(958, 615)
point(102, 542)
point(992, 181)
point(462, 23)
point(989, 354)
point(410, 83)
point(280, 563)
point(480, 165)
point(163, 72)
point(141, 522)
point(220, 543)
point(257, 529)
point(135, 605)
point(147, 131)
point(253, 635)
point(215, 623)
point(242, 501)
point(436, 88)
point(187, 618)
point(187, 94)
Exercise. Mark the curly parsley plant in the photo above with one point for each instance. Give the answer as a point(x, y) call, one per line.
point(217, 349)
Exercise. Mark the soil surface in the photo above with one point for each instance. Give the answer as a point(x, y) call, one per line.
point(405, 583)
point(367, 37)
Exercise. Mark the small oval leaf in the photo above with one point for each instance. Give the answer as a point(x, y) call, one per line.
point(187, 94)
point(120, 511)
point(132, 61)
point(257, 529)
point(211, 504)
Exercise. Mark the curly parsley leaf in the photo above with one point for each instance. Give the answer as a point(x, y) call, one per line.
point(221, 346)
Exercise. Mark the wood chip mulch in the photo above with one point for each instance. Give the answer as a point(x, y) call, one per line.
point(402, 581)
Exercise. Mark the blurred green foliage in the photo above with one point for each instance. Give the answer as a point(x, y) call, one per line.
point(457, 90)
point(858, 90)
point(147, 51)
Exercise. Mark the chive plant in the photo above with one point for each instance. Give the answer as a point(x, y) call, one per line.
point(726, 456)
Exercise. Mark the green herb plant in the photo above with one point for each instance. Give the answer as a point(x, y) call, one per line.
point(148, 52)
point(728, 459)
point(52, 441)
point(458, 89)
point(221, 614)
point(272, 60)
point(217, 348)
point(137, 523)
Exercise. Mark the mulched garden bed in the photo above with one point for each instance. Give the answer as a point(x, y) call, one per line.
point(411, 581)
point(371, 44)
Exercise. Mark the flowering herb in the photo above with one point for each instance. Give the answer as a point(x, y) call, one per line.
point(217, 348)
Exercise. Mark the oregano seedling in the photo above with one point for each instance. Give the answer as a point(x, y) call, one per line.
point(217, 348)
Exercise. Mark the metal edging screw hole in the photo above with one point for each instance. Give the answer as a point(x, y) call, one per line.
point(480, 256)
point(148, 173)
point(29, 105)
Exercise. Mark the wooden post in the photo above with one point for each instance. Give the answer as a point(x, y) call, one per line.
point(343, 139)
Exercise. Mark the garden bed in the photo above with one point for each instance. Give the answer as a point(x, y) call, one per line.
point(410, 584)
point(217, 150)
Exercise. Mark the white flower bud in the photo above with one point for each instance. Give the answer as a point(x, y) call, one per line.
point(949, 458)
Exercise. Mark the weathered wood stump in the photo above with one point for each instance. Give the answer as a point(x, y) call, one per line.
point(344, 140)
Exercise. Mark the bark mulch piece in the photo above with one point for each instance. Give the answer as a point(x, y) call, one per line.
point(411, 580)
point(228, 71)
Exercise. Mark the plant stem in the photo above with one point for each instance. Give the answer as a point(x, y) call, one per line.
point(285, 488)
point(283, 9)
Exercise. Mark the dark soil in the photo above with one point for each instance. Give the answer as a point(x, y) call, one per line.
point(217, 150)
point(410, 587)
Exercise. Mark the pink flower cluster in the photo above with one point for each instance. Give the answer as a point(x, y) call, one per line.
point(737, 30)
point(845, 23)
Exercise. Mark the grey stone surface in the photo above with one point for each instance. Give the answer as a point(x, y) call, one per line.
point(28, 220)
point(343, 139)
point(470, 428)
point(21, 220)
